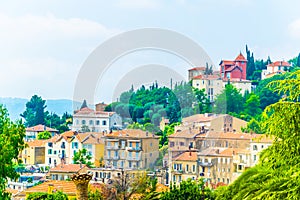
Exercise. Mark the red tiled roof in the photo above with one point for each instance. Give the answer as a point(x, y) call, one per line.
point(207, 77)
point(136, 133)
point(68, 187)
point(197, 68)
point(40, 128)
point(37, 143)
point(227, 62)
point(67, 168)
point(232, 68)
point(187, 156)
point(199, 118)
point(240, 57)
point(279, 63)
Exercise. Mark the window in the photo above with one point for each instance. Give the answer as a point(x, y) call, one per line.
point(174, 178)
point(179, 178)
point(130, 144)
point(254, 157)
point(194, 168)
point(171, 144)
point(130, 154)
point(130, 164)
point(83, 122)
point(74, 145)
point(108, 143)
point(97, 122)
point(262, 146)
point(228, 181)
point(123, 144)
point(49, 151)
point(104, 122)
point(137, 155)
point(96, 174)
point(122, 164)
point(226, 144)
point(181, 143)
point(91, 122)
point(77, 121)
point(254, 147)
point(49, 160)
point(150, 154)
point(116, 154)
point(187, 168)
point(228, 169)
point(218, 179)
point(240, 167)
point(151, 144)
point(54, 152)
point(50, 144)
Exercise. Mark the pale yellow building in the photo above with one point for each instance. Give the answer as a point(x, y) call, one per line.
point(131, 149)
point(184, 166)
point(34, 153)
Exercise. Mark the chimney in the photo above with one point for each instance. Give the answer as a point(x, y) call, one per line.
point(147, 133)
point(217, 151)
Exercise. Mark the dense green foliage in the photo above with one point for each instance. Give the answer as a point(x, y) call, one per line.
point(95, 195)
point(36, 114)
point(83, 157)
point(44, 135)
point(35, 111)
point(11, 143)
point(150, 105)
point(277, 174)
point(45, 196)
point(188, 190)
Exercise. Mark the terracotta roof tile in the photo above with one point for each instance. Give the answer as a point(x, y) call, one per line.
point(68, 187)
point(136, 133)
point(207, 77)
point(40, 128)
point(240, 57)
point(67, 168)
point(187, 156)
point(37, 143)
point(197, 68)
point(279, 63)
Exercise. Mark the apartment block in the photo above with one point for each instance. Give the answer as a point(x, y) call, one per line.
point(131, 149)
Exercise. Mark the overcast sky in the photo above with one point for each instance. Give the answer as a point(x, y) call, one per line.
point(44, 43)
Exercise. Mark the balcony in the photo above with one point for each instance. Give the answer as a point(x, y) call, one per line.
point(112, 147)
point(179, 172)
point(111, 157)
point(133, 148)
point(134, 158)
point(205, 164)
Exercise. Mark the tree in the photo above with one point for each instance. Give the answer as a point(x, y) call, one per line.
point(250, 64)
point(127, 185)
point(83, 157)
point(229, 100)
point(276, 174)
point(298, 60)
point(44, 135)
point(252, 105)
point(35, 111)
point(188, 190)
point(95, 195)
point(45, 196)
point(11, 144)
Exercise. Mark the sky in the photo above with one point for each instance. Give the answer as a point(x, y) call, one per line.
point(43, 44)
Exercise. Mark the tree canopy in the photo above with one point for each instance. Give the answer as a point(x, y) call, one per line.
point(11, 144)
point(276, 176)
point(83, 157)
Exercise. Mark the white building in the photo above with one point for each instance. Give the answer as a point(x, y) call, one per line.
point(95, 121)
point(274, 68)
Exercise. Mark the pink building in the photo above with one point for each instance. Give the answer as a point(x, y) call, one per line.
point(235, 69)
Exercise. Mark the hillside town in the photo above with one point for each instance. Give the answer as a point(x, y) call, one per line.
point(213, 147)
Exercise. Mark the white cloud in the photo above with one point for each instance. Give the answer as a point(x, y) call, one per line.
point(49, 27)
point(138, 4)
point(294, 29)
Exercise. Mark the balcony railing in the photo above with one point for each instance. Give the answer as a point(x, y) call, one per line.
point(112, 147)
point(133, 158)
point(133, 148)
point(205, 164)
point(111, 157)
